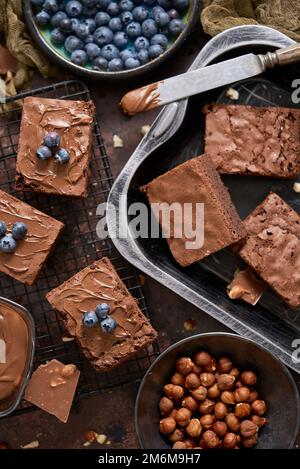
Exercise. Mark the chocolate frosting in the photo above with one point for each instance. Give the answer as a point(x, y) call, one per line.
point(73, 121)
point(140, 100)
point(14, 333)
point(32, 251)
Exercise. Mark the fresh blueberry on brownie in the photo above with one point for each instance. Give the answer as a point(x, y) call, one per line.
point(90, 319)
point(108, 325)
point(3, 228)
point(19, 230)
point(102, 311)
point(43, 153)
point(52, 140)
point(8, 244)
point(62, 156)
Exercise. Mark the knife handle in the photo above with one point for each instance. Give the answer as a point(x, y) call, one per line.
point(285, 56)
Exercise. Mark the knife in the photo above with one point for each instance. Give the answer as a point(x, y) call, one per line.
point(206, 78)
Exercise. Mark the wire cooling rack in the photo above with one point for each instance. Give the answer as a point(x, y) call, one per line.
point(78, 248)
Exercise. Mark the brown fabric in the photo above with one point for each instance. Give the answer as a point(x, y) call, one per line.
point(284, 15)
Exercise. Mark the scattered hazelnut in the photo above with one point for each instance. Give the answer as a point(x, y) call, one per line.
point(207, 379)
point(211, 367)
point(250, 442)
point(179, 445)
point(213, 392)
point(207, 406)
point(248, 428)
point(199, 393)
point(235, 372)
point(178, 379)
point(241, 394)
point(210, 439)
point(183, 416)
point(90, 436)
point(248, 378)
point(220, 428)
point(165, 405)
point(184, 365)
point(202, 358)
point(190, 403)
point(242, 410)
point(232, 422)
point(167, 425)
point(224, 365)
point(207, 421)
point(227, 397)
point(253, 396)
point(225, 382)
point(259, 421)
point(259, 407)
point(173, 392)
point(189, 443)
point(197, 369)
point(192, 381)
point(68, 371)
point(177, 435)
point(220, 410)
point(194, 428)
point(236, 292)
point(229, 441)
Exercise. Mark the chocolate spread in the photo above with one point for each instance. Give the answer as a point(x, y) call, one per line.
point(140, 100)
point(14, 347)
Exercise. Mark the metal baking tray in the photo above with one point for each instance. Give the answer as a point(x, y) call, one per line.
point(177, 135)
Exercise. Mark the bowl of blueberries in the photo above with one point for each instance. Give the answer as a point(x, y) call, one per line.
point(110, 39)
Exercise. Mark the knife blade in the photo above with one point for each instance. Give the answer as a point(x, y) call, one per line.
point(204, 79)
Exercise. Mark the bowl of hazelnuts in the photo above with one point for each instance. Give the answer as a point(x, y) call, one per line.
point(217, 391)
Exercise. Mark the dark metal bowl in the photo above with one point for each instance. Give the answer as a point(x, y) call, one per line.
point(53, 55)
point(275, 385)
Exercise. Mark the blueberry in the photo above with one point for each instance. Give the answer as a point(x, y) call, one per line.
point(120, 39)
point(113, 9)
point(140, 13)
point(43, 153)
point(143, 56)
point(110, 51)
point(126, 5)
point(89, 12)
point(102, 18)
point(72, 43)
point(91, 24)
point(115, 24)
point(73, 8)
point(133, 29)
point(102, 311)
point(103, 4)
point(57, 37)
point(42, 18)
point(75, 23)
point(100, 64)
point(149, 28)
point(90, 319)
point(126, 54)
point(115, 65)
point(89, 3)
point(160, 39)
point(8, 244)
point(173, 14)
point(92, 51)
point(132, 62)
point(3, 228)
point(19, 230)
point(155, 11)
point(57, 18)
point(176, 27)
point(62, 156)
point(79, 57)
point(65, 25)
point(181, 4)
point(155, 51)
point(162, 19)
point(103, 35)
point(50, 6)
point(141, 42)
point(89, 39)
point(82, 31)
point(126, 17)
point(108, 325)
point(167, 4)
point(52, 140)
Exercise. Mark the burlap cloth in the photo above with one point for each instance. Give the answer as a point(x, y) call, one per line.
point(284, 15)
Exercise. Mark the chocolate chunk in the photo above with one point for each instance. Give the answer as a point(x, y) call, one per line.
point(246, 286)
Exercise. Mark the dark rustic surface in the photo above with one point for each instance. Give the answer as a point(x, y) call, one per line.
point(168, 311)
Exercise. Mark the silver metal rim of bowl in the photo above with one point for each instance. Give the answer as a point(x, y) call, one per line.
point(216, 334)
point(194, 15)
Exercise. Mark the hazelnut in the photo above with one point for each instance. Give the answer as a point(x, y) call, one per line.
point(253, 396)
point(68, 371)
point(220, 410)
point(173, 392)
point(184, 365)
point(197, 369)
point(207, 421)
point(211, 367)
point(189, 443)
point(227, 397)
point(225, 382)
point(194, 428)
point(199, 393)
point(229, 441)
point(179, 445)
point(207, 379)
point(202, 358)
point(248, 378)
point(238, 439)
point(167, 425)
point(207, 406)
point(183, 416)
point(178, 379)
point(259, 421)
point(224, 365)
point(165, 405)
point(250, 442)
point(190, 403)
point(241, 394)
point(177, 435)
point(213, 392)
point(242, 410)
point(220, 428)
point(210, 439)
point(259, 407)
point(192, 381)
point(238, 384)
point(173, 413)
point(235, 372)
point(232, 423)
point(248, 428)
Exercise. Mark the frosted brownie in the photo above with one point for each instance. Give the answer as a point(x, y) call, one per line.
point(197, 181)
point(250, 140)
point(272, 247)
point(94, 285)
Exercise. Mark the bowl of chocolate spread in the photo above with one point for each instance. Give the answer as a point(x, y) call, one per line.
point(17, 339)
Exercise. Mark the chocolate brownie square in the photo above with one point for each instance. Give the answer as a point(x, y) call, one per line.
point(253, 141)
point(100, 283)
point(272, 247)
point(73, 121)
point(193, 182)
point(33, 251)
